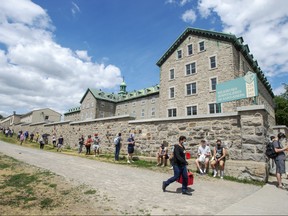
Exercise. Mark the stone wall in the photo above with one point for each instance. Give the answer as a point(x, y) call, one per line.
point(244, 134)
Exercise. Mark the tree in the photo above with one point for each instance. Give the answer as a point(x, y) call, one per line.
point(281, 111)
point(1, 117)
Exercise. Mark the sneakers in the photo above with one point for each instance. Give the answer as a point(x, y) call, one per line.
point(132, 161)
point(128, 161)
point(164, 186)
point(215, 173)
point(186, 193)
point(201, 171)
point(159, 164)
point(171, 167)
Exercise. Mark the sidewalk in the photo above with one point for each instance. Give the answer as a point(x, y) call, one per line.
point(135, 188)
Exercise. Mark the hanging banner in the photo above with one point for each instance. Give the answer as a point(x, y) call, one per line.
point(240, 88)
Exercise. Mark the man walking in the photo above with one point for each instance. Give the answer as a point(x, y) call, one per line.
point(179, 166)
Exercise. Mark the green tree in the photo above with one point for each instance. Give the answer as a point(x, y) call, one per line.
point(1, 117)
point(281, 111)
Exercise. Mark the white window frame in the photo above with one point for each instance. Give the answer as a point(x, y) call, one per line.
point(143, 102)
point(189, 64)
point(202, 41)
point(193, 105)
point(214, 103)
point(188, 54)
point(172, 87)
point(177, 54)
point(172, 109)
point(153, 100)
point(186, 92)
point(172, 69)
point(210, 62)
point(213, 90)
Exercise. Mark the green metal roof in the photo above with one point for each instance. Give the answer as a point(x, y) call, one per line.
point(237, 42)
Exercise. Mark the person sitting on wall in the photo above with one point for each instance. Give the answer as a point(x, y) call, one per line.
point(219, 159)
point(162, 156)
point(203, 154)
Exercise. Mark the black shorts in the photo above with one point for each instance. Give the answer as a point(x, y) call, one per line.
point(130, 150)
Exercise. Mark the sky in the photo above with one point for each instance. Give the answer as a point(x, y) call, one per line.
point(52, 51)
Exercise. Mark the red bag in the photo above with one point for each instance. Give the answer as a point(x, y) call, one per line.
point(190, 178)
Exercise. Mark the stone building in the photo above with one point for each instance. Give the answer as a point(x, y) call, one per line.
point(189, 72)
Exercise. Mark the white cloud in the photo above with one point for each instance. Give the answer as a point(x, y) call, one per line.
point(280, 90)
point(179, 2)
point(75, 8)
point(189, 16)
point(262, 23)
point(35, 71)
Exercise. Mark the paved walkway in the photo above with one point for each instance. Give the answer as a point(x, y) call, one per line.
point(135, 188)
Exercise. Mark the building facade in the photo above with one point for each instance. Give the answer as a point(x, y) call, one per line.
point(189, 72)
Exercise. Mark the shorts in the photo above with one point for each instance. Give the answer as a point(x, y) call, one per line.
point(280, 166)
point(96, 147)
point(130, 150)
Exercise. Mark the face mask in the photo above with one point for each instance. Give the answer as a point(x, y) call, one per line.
point(184, 143)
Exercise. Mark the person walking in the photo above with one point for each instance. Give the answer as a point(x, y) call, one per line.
point(117, 142)
point(22, 138)
point(179, 167)
point(41, 142)
point(130, 148)
point(54, 140)
point(280, 158)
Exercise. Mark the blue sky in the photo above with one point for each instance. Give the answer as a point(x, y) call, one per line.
point(52, 51)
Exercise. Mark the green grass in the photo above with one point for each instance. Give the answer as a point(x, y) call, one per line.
point(46, 203)
point(20, 180)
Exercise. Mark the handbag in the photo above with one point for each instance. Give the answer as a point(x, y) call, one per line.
point(190, 178)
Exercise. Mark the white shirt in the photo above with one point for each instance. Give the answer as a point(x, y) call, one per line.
point(206, 150)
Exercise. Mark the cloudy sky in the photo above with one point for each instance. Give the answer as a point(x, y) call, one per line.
point(52, 51)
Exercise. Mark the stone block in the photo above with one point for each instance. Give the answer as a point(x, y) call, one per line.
point(250, 139)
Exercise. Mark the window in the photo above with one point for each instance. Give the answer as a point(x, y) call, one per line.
point(153, 100)
point(191, 110)
point(153, 111)
point(179, 54)
point(134, 113)
point(134, 104)
point(214, 108)
point(142, 113)
point(190, 49)
point(102, 104)
point(213, 83)
point(101, 114)
point(172, 112)
point(191, 89)
point(172, 75)
point(201, 46)
point(213, 63)
point(191, 68)
point(46, 117)
point(171, 92)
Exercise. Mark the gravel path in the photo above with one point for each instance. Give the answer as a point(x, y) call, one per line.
point(134, 190)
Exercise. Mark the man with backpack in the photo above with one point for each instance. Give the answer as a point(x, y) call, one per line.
point(280, 158)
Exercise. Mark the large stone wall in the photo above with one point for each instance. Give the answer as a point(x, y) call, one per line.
point(244, 134)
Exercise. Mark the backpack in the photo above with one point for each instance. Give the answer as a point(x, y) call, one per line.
point(116, 140)
point(270, 150)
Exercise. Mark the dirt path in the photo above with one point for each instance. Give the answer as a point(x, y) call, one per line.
point(133, 190)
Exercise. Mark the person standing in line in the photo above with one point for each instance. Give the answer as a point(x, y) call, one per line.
point(117, 142)
point(179, 167)
point(219, 159)
point(41, 142)
point(96, 144)
point(37, 137)
point(22, 138)
point(60, 143)
point(130, 148)
point(54, 140)
point(81, 143)
point(88, 144)
point(280, 158)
